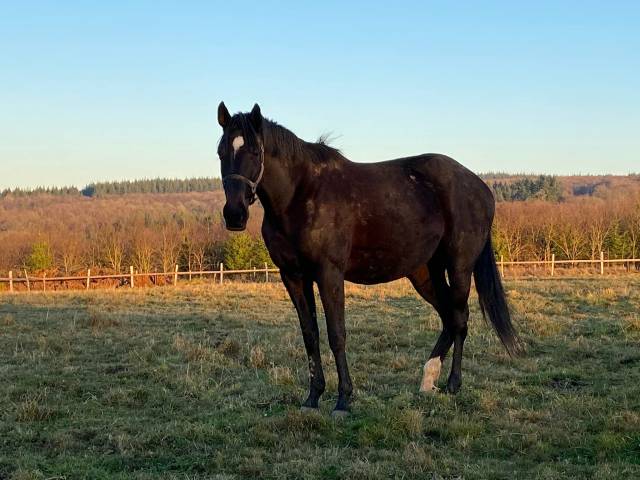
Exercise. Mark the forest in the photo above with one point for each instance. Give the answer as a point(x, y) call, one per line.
point(97, 189)
point(155, 224)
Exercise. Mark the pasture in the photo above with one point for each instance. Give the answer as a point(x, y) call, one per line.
point(205, 381)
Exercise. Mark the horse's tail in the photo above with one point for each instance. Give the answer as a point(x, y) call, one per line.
point(493, 301)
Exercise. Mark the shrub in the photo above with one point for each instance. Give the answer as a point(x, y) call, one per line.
point(242, 252)
point(40, 258)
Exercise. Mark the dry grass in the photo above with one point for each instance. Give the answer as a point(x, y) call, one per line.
point(257, 357)
point(8, 319)
point(204, 381)
point(33, 409)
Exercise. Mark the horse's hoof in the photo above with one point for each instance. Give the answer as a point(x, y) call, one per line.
point(339, 414)
point(305, 409)
point(453, 385)
point(429, 391)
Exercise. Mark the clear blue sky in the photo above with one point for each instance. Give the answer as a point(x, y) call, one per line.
point(129, 89)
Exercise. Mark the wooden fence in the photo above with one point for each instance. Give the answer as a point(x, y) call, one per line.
point(551, 264)
point(256, 273)
point(130, 278)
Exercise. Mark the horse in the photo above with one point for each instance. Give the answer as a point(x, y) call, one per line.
point(328, 219)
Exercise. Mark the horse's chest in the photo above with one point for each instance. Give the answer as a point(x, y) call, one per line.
point(281, 249)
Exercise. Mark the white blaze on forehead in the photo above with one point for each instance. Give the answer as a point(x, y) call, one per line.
point(237, 143)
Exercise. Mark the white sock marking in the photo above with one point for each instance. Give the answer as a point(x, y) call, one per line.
point(431, 374)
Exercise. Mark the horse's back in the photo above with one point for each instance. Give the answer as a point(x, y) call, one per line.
point(451, 178)
point(433, 193)
point(456, 188)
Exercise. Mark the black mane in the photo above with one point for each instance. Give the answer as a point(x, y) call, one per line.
point(284, 142)
point(280, 141)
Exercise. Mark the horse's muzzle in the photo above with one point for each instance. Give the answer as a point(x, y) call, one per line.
point(236, 228)
point(235, 219)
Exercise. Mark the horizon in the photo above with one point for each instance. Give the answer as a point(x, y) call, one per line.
point(130, 91)
point(483, 175)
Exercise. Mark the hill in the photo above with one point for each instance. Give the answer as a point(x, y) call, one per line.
point(64, 231)
point(512, 187)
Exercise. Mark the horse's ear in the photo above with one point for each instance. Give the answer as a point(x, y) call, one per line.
point(223, 115)
point(256, 118)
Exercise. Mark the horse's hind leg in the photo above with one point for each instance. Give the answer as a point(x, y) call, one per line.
point(431, 284)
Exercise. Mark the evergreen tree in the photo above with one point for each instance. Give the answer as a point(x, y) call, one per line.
point(40, 258)
point(238, 252)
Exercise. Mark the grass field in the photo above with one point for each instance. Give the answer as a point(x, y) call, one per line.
point(204, 381)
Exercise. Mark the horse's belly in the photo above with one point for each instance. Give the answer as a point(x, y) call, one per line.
point(372, 276)
point(387, 255)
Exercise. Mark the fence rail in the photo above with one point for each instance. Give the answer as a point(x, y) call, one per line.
point(219, 275)
point(601, 262)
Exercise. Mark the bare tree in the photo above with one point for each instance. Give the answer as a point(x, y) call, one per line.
point(113, 246)
point(142, 249)
point(598, 227)
point(169, 246)
point(571, 240)
point(511, 231)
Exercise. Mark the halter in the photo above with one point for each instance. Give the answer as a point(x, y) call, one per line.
point(252, 184)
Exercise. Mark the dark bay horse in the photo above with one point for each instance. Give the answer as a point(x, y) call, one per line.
point(327, 220)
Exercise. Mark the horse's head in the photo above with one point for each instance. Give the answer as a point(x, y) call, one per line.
point(241, 152)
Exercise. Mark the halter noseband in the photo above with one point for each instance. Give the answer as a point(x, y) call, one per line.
point(252, 184)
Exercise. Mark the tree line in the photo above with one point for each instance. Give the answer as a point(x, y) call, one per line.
point(506, 187)
point(157, 185)
point(124, 187)
point(543, 187)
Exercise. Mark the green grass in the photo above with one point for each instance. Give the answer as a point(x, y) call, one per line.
point(205, 381)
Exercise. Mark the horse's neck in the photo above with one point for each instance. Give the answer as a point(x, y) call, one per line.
point(288, 171)
point(280, 182)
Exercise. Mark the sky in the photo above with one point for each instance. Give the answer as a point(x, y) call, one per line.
point(93, 91)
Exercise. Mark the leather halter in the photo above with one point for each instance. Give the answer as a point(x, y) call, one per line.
point(253, 184)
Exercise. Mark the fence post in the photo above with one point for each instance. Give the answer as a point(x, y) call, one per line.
point(553, 262)
point(221, 272)
point(175, 277)
point(502, 265)
point(131, 275)
point(44, 282)
point(266, 272)
point(26, 276)
point(11, 281)
point(601, 263)
point(88, 277)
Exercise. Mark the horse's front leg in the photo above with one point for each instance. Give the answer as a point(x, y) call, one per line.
point(331, 287)
point(301, 293)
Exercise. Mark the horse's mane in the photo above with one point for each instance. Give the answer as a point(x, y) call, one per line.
point(286, 143)
point(282, 141)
